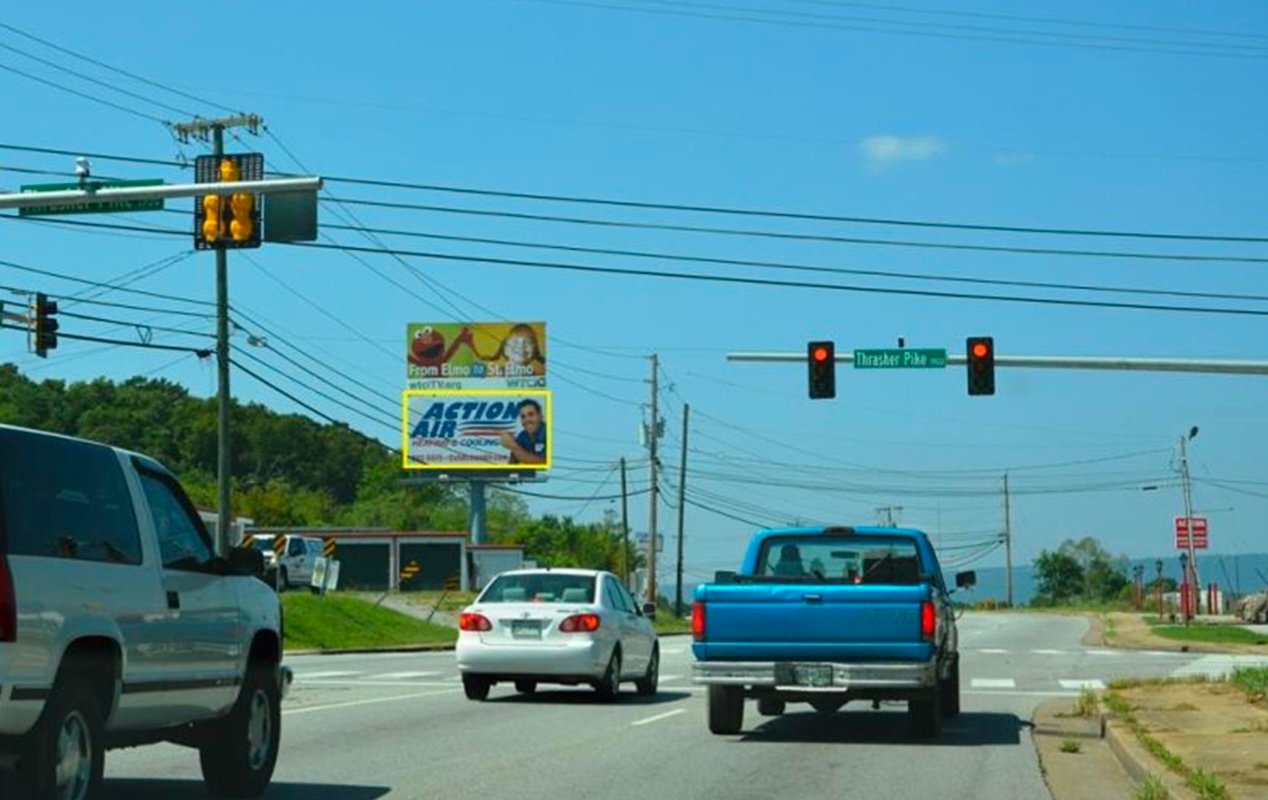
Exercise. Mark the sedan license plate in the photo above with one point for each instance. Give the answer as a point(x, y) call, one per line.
point(526, 629)
point(812, 674)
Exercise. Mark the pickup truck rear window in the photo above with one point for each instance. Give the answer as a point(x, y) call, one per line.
point(844, 559)
point(540, 588)
point(65, 499)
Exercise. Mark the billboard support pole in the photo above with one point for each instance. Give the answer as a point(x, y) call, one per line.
point(478, 518)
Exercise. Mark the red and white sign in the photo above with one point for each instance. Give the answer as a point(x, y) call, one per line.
point(1198, 526)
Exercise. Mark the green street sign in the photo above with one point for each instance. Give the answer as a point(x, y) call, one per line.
point(928, 358)
point(92, 206)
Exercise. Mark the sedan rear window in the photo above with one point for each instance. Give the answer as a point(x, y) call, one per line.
point(541, 587)
point(840, 559)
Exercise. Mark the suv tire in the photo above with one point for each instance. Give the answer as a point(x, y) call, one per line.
point(239, 752)
point(68, 737)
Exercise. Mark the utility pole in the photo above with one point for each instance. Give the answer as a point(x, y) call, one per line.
point(1008, 539)
point(1192, 576)
point(885, 515)
point(653, 439)
point(625, 527)
point(682, 505)
point(199, 128)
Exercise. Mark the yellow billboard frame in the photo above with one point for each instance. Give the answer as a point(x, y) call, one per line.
point(519, 394)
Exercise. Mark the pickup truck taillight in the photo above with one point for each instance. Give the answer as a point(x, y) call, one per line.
point(474, 622)
point(580, 623)
point(928, 621)
point(8, 605)
point(697, 621)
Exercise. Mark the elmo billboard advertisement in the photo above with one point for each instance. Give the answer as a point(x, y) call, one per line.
point(474, 429)
point(452, 356)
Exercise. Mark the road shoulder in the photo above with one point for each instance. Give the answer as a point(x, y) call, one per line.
point(1077, 763)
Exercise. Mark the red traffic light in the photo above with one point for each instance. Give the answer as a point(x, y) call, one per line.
point(820, 354)
point(981, 350)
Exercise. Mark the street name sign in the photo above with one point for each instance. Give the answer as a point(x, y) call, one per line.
point(92, 206)
point(901, 358)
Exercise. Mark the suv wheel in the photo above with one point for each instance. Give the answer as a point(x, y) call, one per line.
point(726, 709)
point(239, 752)
point(65, 756)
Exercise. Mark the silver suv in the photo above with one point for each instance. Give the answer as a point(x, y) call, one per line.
point(119, 626)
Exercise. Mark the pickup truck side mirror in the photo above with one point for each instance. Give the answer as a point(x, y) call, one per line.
point(245, 561)
point(649, 610)
point(965, 580)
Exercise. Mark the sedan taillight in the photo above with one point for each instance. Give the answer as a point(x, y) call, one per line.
point(580, 623)
point(928, 621)
point(8, 605)
point(474, 622)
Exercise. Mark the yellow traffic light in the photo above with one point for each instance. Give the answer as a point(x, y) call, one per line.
point(211, 217)
point(228, 170)
point(242, 226)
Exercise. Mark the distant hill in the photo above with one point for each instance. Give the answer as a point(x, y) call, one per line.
point(1236, 573)
point(1230, 572)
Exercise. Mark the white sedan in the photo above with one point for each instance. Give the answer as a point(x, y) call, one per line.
point(567, 626)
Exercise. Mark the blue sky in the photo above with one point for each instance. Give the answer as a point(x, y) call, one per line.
point(655, 104)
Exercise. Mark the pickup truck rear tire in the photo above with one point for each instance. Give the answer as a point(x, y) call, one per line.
point(770, 706)
point(67, 738)
point(238, 753)
point(924, 715)
point(726, 710)
point(951, 691)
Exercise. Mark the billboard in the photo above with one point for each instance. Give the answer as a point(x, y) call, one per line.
point(476, 429)
point(475, 355)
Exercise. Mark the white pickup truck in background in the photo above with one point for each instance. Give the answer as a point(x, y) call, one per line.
point(119, 626)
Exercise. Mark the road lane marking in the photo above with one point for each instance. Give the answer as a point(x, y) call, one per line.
point(1081, 684)
point(1048, 652)
point(673, 651)
point(390, 676)
point(304, 676)
point(668, 678)
point(994, 683)
point(1102, 652)
point(1005, 693)
point(659, 717)
point(376, 683)
point(992, 650)
point(351, 703)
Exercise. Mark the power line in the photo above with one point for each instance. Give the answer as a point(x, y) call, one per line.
point(112, 321)
point(750, 281)
point(780, 265)
point(200, 352)
point(105, 285)
point(83, 95)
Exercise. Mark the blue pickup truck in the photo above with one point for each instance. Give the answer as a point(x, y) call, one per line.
point(825, 616)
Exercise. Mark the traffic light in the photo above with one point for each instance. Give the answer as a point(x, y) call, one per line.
point(227, 221)
point(45, 325)
point(821, 356)
point(980, 358)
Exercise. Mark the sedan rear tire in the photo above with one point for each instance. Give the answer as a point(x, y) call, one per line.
point(476, 687)
point(526, 687)
point(647, 685)
point(609, 686)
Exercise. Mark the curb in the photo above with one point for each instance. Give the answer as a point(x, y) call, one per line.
point(1137, 761)
point(404, 648)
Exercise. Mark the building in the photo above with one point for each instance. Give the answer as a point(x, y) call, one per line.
point(379, 559)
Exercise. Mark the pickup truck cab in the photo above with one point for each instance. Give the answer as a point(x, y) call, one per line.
point(825, 616)
point(119, 626)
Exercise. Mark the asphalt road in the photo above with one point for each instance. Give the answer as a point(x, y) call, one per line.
point(398, 726)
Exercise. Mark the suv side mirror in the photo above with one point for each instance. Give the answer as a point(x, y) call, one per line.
point(965, 580)
point(246, 561)
point(649, 610)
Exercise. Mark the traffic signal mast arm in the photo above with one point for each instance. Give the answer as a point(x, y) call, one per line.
point(72, 197)
point(1121, 363)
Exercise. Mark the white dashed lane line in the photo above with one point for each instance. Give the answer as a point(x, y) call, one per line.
point(993, 683)
point(1081, 684)
point(659, 717)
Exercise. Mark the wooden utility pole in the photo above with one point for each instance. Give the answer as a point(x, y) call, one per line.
point(682, 506)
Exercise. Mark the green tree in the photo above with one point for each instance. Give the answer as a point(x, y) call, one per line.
point(1060, 576)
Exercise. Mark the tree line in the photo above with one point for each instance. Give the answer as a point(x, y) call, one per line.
point(287, 469)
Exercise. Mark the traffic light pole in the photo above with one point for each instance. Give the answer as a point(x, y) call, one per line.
point(1129, 364)
point(224, 462)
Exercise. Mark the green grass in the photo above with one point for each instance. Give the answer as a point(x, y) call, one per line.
point(336, 622)
point(1135, 683)
point(1252, 680)
point(1209, 634)
point(1086, 704)
point(1207, 786)
point(453, 601)
point(1070, 746)
point(1151, 789)
point(666, 622)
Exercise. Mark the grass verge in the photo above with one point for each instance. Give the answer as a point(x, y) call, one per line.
point(668, 623)
point(1209, 634)
point(336, 622)
point(1251, 680)
point(1151, 789)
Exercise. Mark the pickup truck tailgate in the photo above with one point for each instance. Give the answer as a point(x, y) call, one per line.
point(840, 622)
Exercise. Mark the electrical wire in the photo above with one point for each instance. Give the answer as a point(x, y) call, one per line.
point(84, 95)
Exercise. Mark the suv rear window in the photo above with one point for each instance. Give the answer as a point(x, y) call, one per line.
point(541, 587)
point(840, 559)
point(65, 499)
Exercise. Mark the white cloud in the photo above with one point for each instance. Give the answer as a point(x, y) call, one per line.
point(881, 151)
